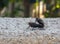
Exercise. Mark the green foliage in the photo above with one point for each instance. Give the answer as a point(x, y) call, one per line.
point(18, 9)
point(3, 3)
point(15, 0)
point(11, 0)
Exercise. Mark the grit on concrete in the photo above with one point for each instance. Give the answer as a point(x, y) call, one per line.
point(16, 31)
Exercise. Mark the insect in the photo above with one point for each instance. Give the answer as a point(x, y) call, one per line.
point(39, 25)
point(40, 21)
point(34, 25)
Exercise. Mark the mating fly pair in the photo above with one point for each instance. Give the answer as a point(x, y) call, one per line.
point(39, 24)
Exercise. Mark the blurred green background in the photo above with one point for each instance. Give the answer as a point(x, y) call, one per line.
point(30, 8)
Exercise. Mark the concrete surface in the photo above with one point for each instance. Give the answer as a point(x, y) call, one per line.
point(14, 31)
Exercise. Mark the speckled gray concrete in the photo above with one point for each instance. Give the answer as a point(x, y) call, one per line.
point(14, 31)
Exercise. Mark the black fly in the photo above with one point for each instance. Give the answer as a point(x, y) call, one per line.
point(39, 25)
